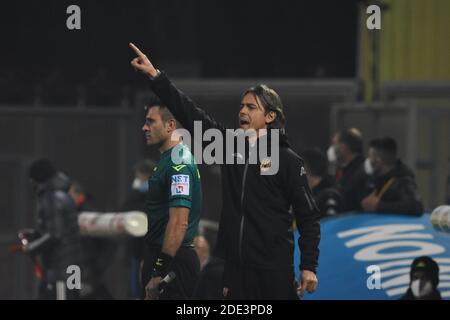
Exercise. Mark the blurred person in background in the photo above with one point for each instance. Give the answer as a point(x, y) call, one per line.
point(209, 285)
point(323, 186)
point(347, 151)
point(201, 246)
point(424, 280)
point(136, 201)
point(59, 242)
point(83, 200)
point(97, 253)
point(392, 186)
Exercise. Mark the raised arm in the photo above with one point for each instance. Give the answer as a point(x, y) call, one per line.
point(181, 106)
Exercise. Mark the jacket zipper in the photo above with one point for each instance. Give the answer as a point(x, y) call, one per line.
point(308, 199)
point(241, 231)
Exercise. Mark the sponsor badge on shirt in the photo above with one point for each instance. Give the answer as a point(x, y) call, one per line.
point(180, 185)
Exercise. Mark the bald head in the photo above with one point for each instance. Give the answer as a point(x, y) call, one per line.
point(347, 144)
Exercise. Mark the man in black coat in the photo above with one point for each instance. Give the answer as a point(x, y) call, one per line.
point(97, 253)
point(59, 242)
point(424, 280)
point(392, 188)
point(209, 284)
point(350, 176)
point(323, 186)
point(255, 234)
point(136, 201)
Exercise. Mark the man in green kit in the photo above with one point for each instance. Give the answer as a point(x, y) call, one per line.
point(173, 206)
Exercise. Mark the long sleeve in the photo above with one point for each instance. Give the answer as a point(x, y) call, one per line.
point(182, 107)
point(307, 215)
point(408, 201)
point(53, 207)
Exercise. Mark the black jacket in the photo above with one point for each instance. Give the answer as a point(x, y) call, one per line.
point(209, 284)
point(59, 245)
point(435, 295)
point(401, 196)
point(328, 198)
point(352, 184)
point(256, 226)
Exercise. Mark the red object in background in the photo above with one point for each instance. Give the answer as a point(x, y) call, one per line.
point(15, 248)
point(339, 173)
point(26, 236)
point(81, 199)
point(37, 271)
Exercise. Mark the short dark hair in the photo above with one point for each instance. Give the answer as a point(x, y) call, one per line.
point(166, 115)
point(153, 101)
point(428, 266)
point(387, 147)
point(316, 161)
point(352, 138)
point(271, 101)
point(41, 170)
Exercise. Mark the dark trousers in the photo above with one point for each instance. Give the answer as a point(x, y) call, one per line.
point(186, 267)
point(259, 284)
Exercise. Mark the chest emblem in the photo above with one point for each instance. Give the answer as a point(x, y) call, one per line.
point(265, 165)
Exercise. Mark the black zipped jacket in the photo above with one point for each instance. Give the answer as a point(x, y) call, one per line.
point(402, 196)
point(60, 244)
point(256, 222)
point(352, 184)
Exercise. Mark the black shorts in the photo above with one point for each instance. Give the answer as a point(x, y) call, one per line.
point(185, 265)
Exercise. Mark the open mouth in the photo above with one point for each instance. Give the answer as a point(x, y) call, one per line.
point(244, 122)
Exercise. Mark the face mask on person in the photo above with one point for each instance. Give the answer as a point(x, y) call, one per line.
point(331, 154)
point(368, 167)
point(139, 185)
point(421, 288)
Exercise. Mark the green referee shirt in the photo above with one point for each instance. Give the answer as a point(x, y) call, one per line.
point(173, 185)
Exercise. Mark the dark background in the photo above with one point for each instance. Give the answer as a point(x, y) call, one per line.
point(287, 39)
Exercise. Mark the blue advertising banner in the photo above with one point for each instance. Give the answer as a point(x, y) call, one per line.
point(368, 256)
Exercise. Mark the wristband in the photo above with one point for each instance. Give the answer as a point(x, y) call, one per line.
point(162, 265)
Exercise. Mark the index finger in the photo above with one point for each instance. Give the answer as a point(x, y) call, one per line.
point(136, 49)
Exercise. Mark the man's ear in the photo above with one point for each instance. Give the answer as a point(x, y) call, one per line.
point(171, 125)
point(270, 117)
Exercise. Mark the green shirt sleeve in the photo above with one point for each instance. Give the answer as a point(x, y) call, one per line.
point(181, 186)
